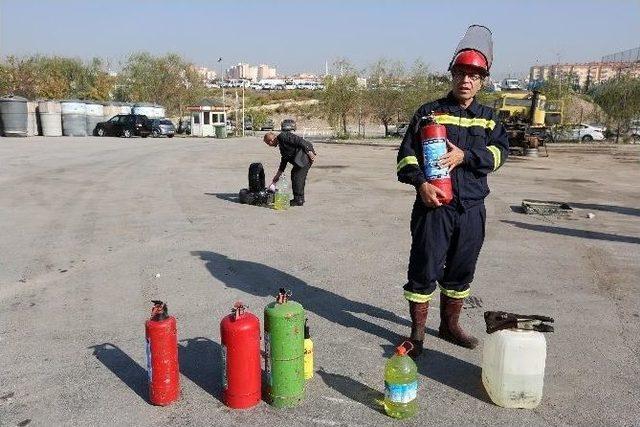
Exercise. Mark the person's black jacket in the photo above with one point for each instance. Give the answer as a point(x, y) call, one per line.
point(475, 130)
point(293, 149)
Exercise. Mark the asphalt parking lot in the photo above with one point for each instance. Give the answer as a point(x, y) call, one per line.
point(94, 228)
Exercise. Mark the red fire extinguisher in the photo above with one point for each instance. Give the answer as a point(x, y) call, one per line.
point(241, 374)
point(162, 356)
point(434, 145)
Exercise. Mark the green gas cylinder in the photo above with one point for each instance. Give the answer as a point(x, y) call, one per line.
point(284, 351)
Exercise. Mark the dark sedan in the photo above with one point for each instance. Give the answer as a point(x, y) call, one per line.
point(160, 127)
point(125, 125)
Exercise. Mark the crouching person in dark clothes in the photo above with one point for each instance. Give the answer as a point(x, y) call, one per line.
point(297, 151)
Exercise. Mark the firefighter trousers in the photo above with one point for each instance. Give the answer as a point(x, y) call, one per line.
point(445, 244)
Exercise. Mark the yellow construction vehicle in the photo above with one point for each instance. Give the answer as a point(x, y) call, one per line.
point(527, 119)
point(511, 105)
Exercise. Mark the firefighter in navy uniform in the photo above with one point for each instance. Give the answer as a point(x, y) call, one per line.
point(446, 239)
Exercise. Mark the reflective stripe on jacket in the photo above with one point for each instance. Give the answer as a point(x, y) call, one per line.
point(475, 130)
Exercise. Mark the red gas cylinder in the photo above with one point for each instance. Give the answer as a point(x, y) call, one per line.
point(434, 145)
point(241, 374)
point(162, 356)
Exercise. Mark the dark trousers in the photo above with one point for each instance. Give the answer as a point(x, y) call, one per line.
point(298, 180)
point(445, 244)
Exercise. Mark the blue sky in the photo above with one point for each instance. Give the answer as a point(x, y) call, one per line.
point(298, 36)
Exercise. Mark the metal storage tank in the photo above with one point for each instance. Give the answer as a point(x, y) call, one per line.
point(110, 109)
point(32, 119)
point(126, 108)
point(50, 115)
point(13, 113)
point(95, 114)
point(148, 110)
point(159, 111)
point(74, 114)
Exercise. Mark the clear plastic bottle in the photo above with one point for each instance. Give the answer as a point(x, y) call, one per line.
point(400, 384)
point(282, 196)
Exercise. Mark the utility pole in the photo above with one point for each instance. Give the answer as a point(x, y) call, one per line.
point(235, 116)
point(224, 104)
point(242, 124)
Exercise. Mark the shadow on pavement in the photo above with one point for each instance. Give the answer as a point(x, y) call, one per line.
point(607, 208)
point(124, 367)
point(585, 234)
point(449, 371)
point(229, 197)
point(261, 280)
point(354, 390)
point(201, 362)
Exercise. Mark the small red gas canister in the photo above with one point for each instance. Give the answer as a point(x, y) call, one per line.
point(241, 374)
point(162, 356)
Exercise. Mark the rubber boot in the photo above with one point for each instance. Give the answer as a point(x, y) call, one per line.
point(450, 329)
point(296, 201)
point(418, 312)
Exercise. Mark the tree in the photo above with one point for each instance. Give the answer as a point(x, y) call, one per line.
point(383, 94)
point(340, 97)
point(619, 98)
point(556, 89)
point(421, 86)
point(168, 80)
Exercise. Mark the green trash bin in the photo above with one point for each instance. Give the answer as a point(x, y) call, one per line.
point(221, 131)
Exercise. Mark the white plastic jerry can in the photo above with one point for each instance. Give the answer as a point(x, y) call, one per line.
point(513, 364)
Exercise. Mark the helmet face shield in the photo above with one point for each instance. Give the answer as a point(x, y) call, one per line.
point(475, 48)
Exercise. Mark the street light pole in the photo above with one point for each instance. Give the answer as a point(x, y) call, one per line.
point(242, 109)
point(224, 104)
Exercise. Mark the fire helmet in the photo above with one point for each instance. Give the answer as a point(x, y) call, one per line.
point(471, 58)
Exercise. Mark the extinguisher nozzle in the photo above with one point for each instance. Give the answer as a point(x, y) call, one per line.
point(159, 311)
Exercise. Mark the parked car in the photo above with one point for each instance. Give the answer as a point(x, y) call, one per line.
point(267, 125)
point(400, 130)
point(580, 132)
point(125, 125)
point(288, 125)
point(160, 127)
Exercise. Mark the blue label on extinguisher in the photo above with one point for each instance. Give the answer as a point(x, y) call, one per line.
point(432, 150)
point(148, 351)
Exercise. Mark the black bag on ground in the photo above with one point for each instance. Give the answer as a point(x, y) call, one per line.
point(256, 177)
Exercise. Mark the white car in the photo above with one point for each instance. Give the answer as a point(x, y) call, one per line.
point(582, 132)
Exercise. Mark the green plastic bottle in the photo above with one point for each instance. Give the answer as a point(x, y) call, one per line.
point(401, 384)
point(282, 196)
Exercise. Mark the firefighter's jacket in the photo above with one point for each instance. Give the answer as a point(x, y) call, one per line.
point(475, 130)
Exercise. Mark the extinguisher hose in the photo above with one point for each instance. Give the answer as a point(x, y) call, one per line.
point(159, 311)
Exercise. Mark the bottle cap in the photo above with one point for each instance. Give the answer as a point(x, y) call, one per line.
point(402, 350)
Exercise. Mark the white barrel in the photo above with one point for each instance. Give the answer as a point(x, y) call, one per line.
point(50, 117)
point(74, 121)
point(32, 119)
point(95, 114)
point(125, 108)
point(159, 112)
point(109, 110)
point(513, 364)
point(148, 110)
point(13, 116)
